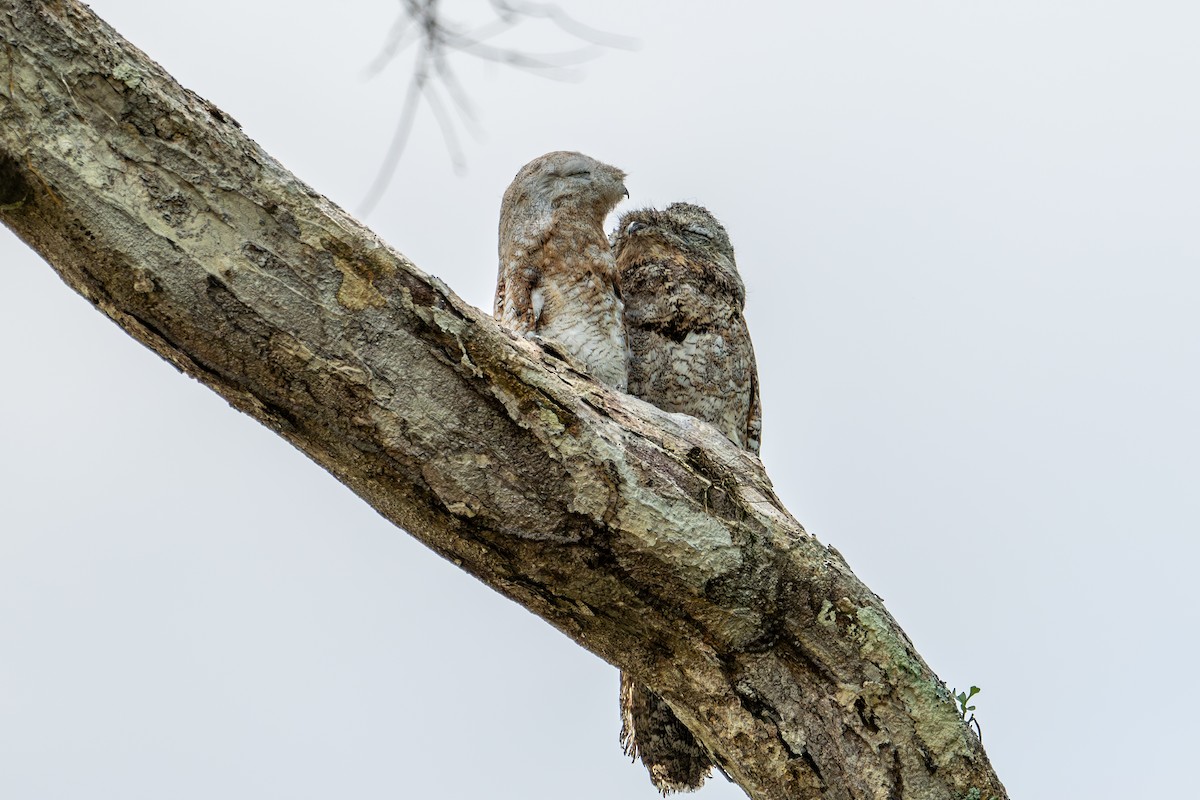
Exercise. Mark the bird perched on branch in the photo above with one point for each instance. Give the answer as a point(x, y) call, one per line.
point(557, 278)
point(690, 353)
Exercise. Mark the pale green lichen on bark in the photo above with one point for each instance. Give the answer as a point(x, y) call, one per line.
point(927, 703)
point(827, 616)
point(126, 73)
point(682, 537)
point(456, 326)
point(882, 645)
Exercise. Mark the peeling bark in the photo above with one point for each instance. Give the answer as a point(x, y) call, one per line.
point(646, 537)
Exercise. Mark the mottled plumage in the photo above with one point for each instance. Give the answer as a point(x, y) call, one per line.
point(557, 277)
point(690, 349)
point(651, 731)
point(690, 353)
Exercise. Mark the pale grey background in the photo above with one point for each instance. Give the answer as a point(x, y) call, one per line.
point(969, 235)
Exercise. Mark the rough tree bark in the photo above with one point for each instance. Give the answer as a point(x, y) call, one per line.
point(647, 538)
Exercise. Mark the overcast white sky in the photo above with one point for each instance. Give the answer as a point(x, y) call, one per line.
point(969, 237)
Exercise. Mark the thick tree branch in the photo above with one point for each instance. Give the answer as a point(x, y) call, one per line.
point(646, 537)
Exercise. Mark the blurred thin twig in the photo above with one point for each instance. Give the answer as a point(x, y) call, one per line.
point(423, 23)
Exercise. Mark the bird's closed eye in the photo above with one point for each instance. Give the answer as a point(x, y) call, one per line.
point(633, 226)
point(696, 229)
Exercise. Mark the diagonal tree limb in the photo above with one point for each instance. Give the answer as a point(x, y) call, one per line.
point(646, 537)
